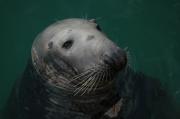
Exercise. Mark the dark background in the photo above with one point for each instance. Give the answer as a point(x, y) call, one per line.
point(149, 28)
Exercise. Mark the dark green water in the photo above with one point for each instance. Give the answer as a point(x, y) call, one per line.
point(149, 28)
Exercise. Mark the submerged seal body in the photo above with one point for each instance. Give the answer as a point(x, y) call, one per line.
point(73, 73)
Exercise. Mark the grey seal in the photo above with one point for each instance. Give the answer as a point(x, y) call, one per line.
point(76, 72)
point(71, 73)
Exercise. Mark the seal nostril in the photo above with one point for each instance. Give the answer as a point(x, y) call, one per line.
point(117, 60)
point(108, 60)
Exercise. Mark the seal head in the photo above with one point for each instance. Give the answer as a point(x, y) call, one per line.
point(75, 55)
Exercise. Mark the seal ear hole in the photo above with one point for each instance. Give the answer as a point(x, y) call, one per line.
point(68, 44)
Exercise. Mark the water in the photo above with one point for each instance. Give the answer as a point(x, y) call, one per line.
point(150, 30)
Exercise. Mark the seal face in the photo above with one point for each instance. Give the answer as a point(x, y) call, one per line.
point(75, 55)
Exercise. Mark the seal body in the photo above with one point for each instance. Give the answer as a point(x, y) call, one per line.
point(71, 73)
point(76, 72)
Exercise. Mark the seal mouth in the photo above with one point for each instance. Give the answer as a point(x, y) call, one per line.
point(94, 79)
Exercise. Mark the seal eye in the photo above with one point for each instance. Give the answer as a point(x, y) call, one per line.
point(68, 44)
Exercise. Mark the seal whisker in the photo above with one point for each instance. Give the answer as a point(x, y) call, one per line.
point(88, 70)
point(103, 75)
point(81, 75)
point(81, 87)
point(93, 81)
point(91, 78)
point(91, 88)
point(89, 84)
point(95, 86)
point(84, 82)
point(98, 80)
point(111, 74)
point(71, 86)
point(107, 75)
point(84, 79)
